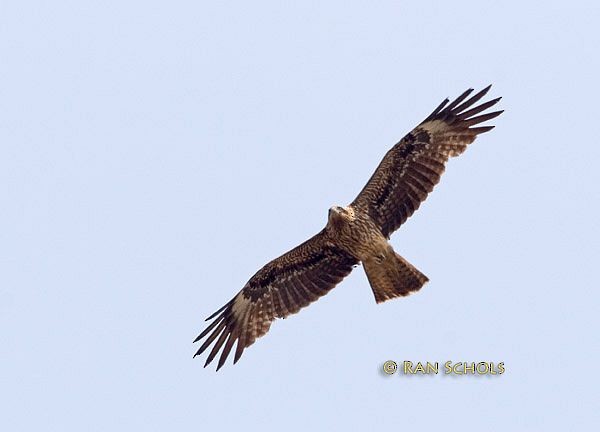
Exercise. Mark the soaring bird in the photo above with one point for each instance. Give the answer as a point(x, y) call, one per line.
point(357, 233)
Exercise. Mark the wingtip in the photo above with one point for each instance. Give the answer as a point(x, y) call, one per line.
point(221, 309)
point(482, 129)
point(485, 90)
point(493, 114)
point(238, 354)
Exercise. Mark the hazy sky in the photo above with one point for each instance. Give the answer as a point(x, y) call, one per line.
point(154, 155)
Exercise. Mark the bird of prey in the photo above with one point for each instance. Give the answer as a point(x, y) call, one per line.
point(354, 234)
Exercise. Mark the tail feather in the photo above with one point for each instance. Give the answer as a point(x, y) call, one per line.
point(392, 276)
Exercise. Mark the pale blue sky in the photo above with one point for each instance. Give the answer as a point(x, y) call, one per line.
point(156, 154)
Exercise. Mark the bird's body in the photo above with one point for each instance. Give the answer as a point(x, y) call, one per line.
point(357, 233)
point(389, 274)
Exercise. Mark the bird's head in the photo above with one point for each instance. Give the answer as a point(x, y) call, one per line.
point(339, 214)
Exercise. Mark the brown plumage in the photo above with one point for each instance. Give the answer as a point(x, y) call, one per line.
point(354, 234)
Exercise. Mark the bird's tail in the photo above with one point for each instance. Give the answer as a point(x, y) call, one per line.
point(392, 276)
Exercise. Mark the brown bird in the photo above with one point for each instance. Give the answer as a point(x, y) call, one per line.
point(354, 234)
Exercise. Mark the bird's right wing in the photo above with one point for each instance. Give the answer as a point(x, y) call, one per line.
point(280, 288)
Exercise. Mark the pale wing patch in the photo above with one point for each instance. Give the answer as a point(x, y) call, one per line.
point(434, 126)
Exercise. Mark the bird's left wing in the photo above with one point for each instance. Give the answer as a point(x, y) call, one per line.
point(411, 168)
point(280, 288)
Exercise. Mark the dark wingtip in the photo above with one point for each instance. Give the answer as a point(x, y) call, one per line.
point(219, 311)
point(436, 111)
point(481, 118)
point(239, 350)
point(450, 111)
point(466, 115)
point(458, 100)
point(472, 100)
point(485, 90)
point(482, 129)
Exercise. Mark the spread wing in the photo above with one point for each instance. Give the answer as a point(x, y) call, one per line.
point(411, 168)
point(280, 288)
